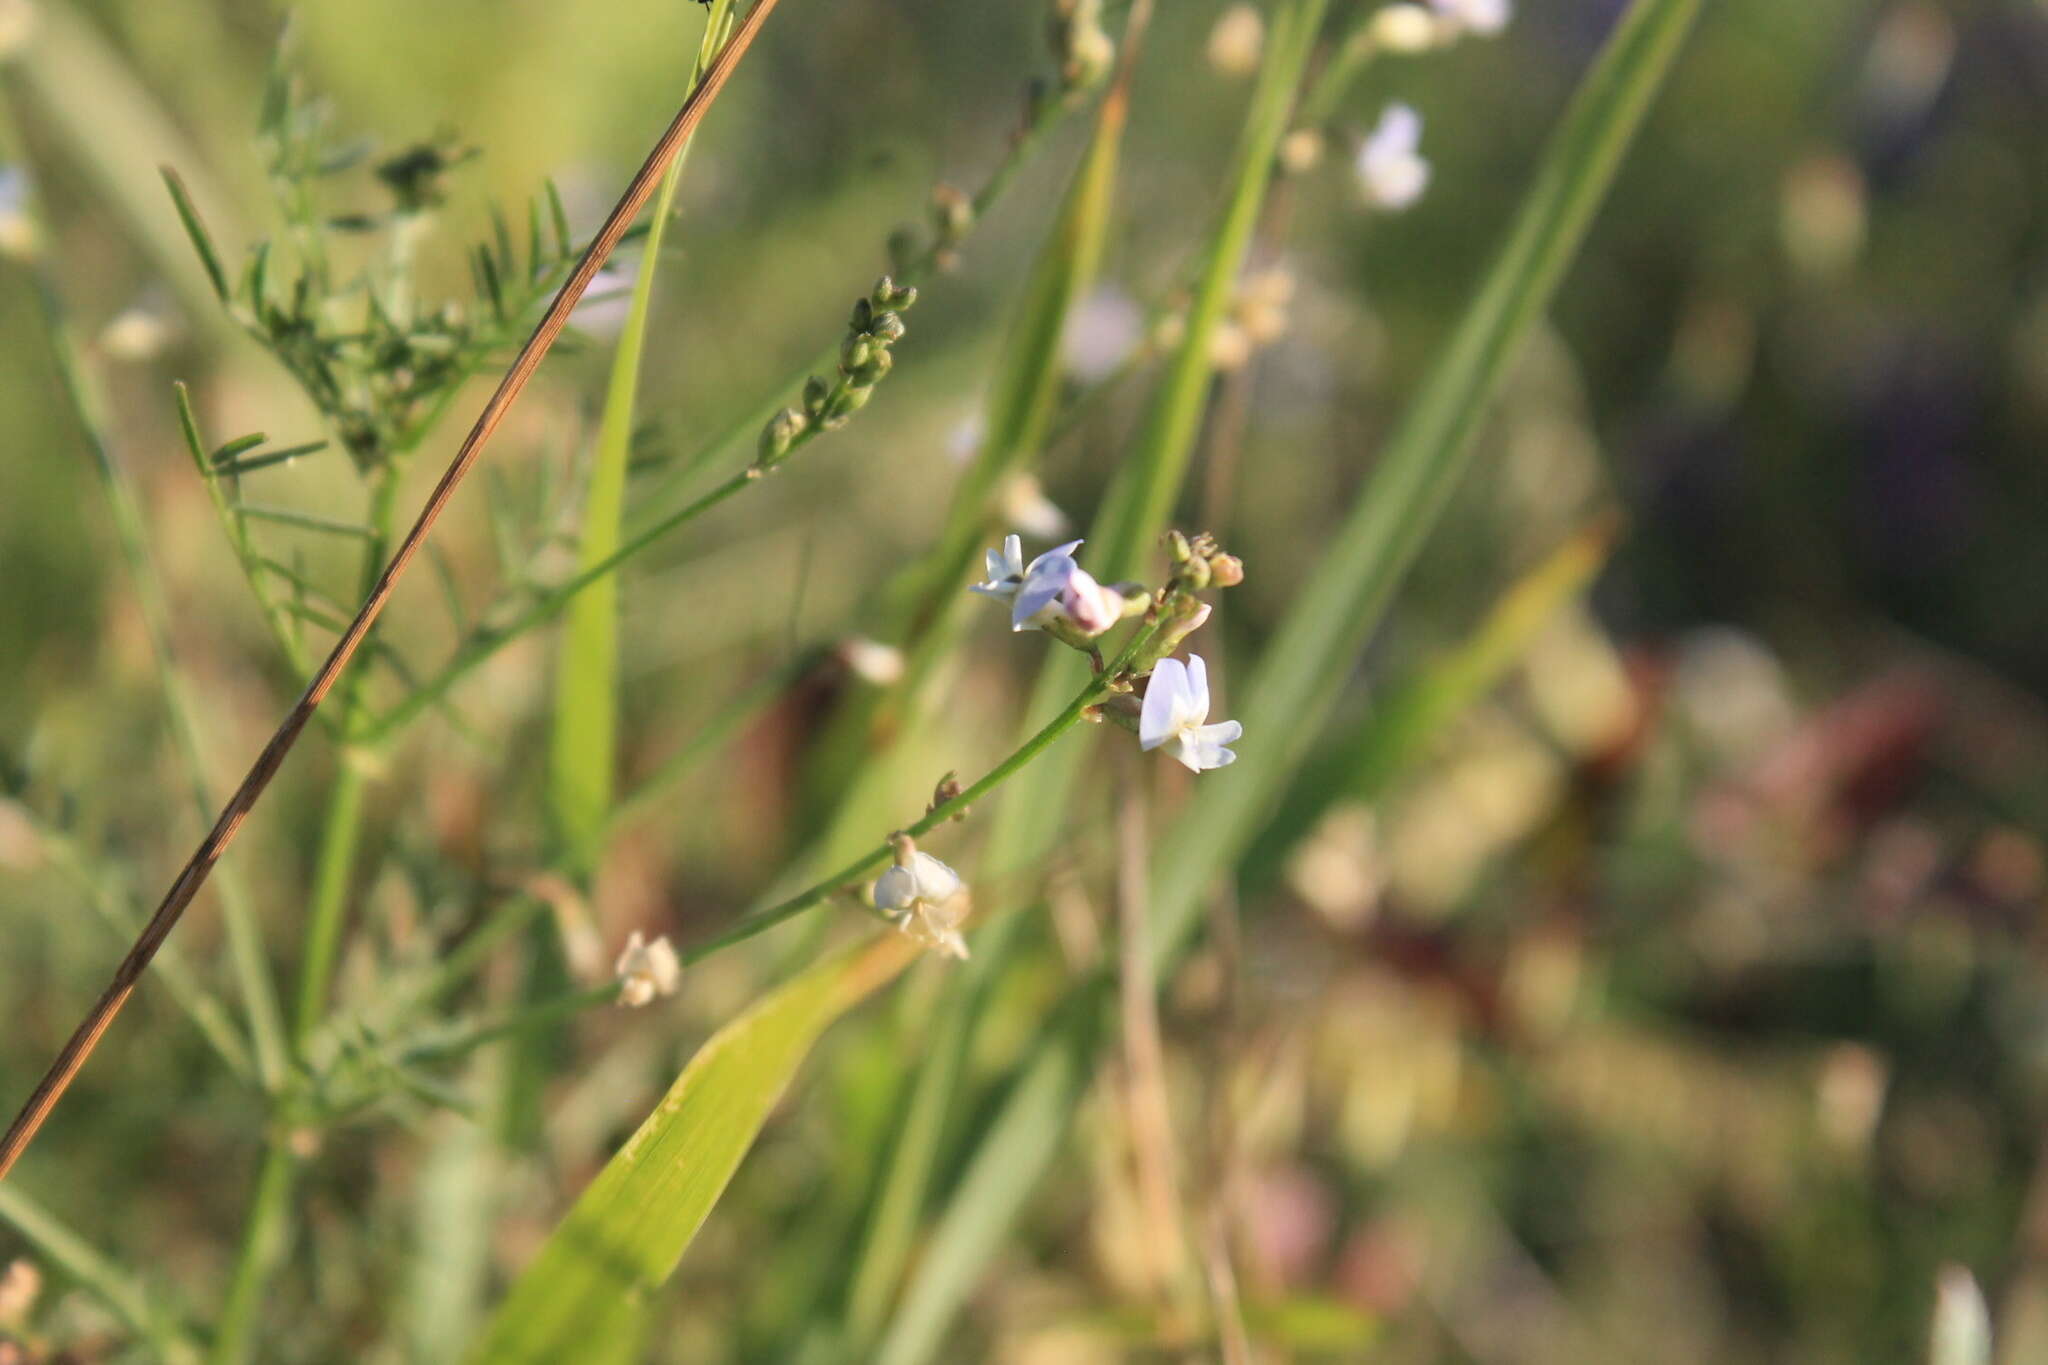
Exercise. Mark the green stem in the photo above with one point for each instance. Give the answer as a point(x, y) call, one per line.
point(264, 1234)
point(263, 1238)
point(763, 920)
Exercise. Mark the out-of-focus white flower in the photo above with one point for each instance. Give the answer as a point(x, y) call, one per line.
point(17, 26)
point(17, 229)
point(647, 971)
point(142, 330)
point(871, 660)
point(1301, 151)
point(928, 901)
point(1176, 713)
point(1390, 166)
point(1050, 587)
point(1406, 29)
point(1101, 333)
point(1484, 17)
point(1236, 41)
point(1025, 505)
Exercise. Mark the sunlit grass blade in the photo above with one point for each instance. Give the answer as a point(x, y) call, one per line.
point(108, 1282)
point(582, 759)
point(1318, 640)
point(1347, 593)
point(628, 1230)
point(1399, 727)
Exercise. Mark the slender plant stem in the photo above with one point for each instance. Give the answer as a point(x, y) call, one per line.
point(537, 1015)
point(73, 1056)
point(763, 920)
point(263, 1245)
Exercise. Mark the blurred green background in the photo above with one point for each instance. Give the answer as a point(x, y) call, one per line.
point(1684, 1001)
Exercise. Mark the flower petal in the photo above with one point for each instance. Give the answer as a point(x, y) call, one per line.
point(1157, 718)
point(934, 880)
point(895, 889)
point(1198, 689)
point(1042, 587)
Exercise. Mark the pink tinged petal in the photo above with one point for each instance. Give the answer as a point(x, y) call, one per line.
point(1091, 607)
point(1156, 719)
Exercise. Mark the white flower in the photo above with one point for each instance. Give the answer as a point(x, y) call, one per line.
point(927, 900)
point(647, 971)
point(1485, 17)
point(1407, 29)
point(1236, 41)
point(1389, 166)
point(1050, 587)
point(1176, 713)
point(872, 661)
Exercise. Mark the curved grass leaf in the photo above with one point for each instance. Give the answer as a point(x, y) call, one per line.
point(592, 1280)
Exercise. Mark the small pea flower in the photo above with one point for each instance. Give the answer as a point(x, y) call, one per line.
point(647, 971)
point(1484, 17)
point(1176, 713)
point(1050, 590)
point(1390, 168)
point(927, 900)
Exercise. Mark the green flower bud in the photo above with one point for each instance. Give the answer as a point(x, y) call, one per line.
point(863, 316)
point(887, 328)
point(855, 352)
point(780, 435)
point(816, 394)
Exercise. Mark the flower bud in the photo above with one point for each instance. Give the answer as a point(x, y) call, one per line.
point(1301, 151)
point(816, 394)
point(1226, 571)
point(863, 316)
point(889, 296)
point(855, 352)
point(952, 214)
point(887, 328)
point(780, 435)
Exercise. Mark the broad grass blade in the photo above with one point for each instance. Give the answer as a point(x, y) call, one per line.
point(626, 1233)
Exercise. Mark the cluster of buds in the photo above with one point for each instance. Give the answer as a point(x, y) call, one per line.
point(864, 358)
point(1084, 51)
